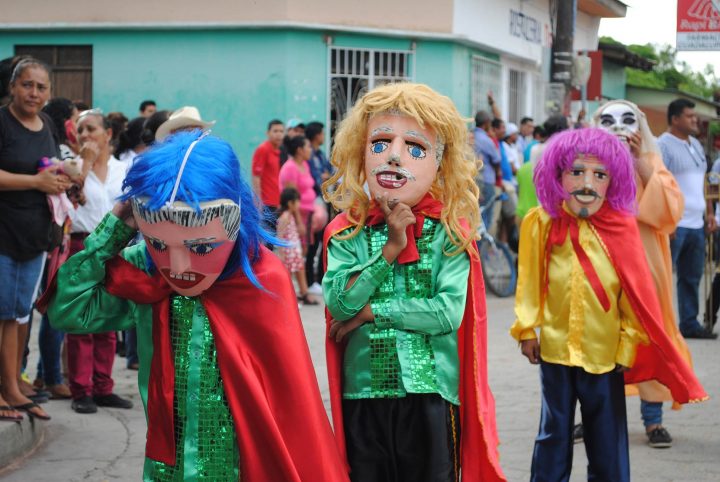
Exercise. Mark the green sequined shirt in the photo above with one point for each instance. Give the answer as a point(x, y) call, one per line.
point(206, 445)
point(412, 345)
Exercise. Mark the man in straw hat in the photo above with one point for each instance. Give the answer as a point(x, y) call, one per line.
point(185, 118)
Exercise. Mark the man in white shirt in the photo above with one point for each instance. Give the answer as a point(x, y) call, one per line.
point(685, 158)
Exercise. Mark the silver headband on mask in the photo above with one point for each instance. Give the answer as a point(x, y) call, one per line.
point(183, 214)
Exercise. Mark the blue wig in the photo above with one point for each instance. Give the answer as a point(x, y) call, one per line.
point(211, 172)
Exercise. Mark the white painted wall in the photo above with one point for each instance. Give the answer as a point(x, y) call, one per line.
point(488, 22)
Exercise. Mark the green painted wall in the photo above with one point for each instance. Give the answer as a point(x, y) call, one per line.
point(613, 81)
point(240, 78)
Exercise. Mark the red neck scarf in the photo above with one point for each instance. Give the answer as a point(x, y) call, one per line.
point(427, 207)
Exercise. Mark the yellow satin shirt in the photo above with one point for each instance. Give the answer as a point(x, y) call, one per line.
point(574, 328)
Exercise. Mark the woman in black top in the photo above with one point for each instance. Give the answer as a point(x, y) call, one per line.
point(25, 221)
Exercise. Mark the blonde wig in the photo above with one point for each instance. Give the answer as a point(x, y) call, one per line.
point(454, 184)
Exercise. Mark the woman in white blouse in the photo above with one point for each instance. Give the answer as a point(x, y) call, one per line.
point(90, 357)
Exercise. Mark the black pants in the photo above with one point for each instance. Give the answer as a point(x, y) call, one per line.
point(410, 439)
point(313, 274)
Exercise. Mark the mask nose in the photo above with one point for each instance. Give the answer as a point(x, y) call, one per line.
point(394, 160)
point(179, 259)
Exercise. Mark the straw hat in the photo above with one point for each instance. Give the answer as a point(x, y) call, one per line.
point(182, 118)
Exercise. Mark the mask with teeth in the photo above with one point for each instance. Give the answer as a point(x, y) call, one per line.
point(401, 157)
point(620, 120)
point(190, 247)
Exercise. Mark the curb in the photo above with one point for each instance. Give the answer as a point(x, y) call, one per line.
point(18, 440)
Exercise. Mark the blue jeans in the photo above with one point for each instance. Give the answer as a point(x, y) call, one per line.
point(19, 280)
point(50, 341)
point(688, 257)
point(651, 413)
point(131, 347)
point(487, 193)
point(602, 405)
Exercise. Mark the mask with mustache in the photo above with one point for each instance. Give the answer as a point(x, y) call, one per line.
point(400, 158)
point(586, 183)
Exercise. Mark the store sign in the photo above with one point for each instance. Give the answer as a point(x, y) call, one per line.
point(526, 27)
point(698, 25)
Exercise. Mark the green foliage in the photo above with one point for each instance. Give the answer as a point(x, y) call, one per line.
point(669, 73)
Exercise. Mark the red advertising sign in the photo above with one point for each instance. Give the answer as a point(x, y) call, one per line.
point(698, 25)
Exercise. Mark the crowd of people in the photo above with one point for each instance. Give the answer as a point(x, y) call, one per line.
point(384, 231)
point(288, 171)
point(62, 168)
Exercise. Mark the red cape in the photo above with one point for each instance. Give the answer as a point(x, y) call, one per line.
point(478, 446)
point(282, 429)
point(659, 360)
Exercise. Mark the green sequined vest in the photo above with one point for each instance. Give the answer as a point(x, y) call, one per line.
point(205, 441)
point(400, 362)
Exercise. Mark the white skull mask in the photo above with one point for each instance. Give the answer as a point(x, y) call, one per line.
point(619, 119)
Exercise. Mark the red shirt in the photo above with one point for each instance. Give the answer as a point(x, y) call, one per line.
point(266, 165)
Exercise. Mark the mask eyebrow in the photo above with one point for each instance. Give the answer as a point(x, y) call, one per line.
point(189, 242)
point(384, 129)
point(419, 135)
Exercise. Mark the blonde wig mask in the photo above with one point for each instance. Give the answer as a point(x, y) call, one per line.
point(454, 184)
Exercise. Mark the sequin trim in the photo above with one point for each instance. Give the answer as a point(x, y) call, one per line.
point(390, 379)
point(216, 457)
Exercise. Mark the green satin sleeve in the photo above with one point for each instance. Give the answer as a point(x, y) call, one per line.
point(439, 314)
point(347, 258)
point(81, 304)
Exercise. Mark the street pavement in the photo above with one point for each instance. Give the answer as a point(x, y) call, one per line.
point(109, 445)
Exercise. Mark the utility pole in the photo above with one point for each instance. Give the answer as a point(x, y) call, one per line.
point(562, 51)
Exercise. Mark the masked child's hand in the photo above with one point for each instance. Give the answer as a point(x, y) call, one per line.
point(340, 329)
point(123, 210)
point(398, 216)
point(531, 349)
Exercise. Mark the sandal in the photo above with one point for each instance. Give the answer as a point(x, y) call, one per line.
point(8, 418)
point(27, 407)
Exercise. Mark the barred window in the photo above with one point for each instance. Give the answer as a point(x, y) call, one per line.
point(355, 71)
point(486, 76)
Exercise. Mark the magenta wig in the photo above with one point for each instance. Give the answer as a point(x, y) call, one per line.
point(562, 150)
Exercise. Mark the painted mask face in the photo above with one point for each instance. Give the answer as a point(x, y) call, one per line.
point(189, 249)
point(401, 158)
point(587, 182)
point(620, 120)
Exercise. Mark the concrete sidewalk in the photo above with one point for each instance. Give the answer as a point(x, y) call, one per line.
point(109, 445)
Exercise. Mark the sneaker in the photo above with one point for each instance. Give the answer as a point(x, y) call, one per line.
point(578, 433)
point(701, 334)
point(112, 401)
point(84, 405)
point(315, 289)
point(659, 438)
